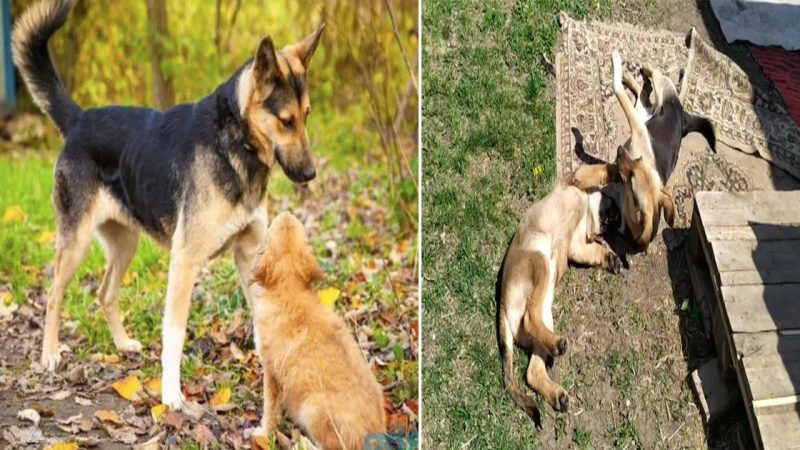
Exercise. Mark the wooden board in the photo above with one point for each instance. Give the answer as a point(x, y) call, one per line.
point(779, 426)
point(765, 343)
point(773, 376)
point(751, 243)
point(756, 255)
point(732, 209)
point(753, 308)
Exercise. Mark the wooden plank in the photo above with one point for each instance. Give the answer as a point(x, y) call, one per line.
point(765, 207)
point(754, 308)
point(752, 232)
point(765, 343)
point(779, 427)
point(767, 276)
point(773, 376)
point(755, 255)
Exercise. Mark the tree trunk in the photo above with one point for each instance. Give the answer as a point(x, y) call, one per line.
point(158, 33)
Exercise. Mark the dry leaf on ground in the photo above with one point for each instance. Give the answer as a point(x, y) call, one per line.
point(128, 388)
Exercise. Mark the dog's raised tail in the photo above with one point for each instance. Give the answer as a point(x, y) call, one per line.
point(31, 34)
point(701, 125)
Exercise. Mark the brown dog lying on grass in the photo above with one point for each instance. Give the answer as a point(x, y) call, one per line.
point(563, 227)
point(313, 367)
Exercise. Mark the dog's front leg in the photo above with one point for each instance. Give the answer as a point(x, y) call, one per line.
point(247, 246)
point(183, 270)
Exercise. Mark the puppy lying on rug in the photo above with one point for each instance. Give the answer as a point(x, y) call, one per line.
point(563, 227)
point(646, 165)
point(313, 368)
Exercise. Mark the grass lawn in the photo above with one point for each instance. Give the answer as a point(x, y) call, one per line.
point(488, 152)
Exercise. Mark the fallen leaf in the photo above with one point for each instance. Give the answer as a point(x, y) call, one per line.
point(71, 419)
point(153, 387)
point(6, 307)
point(237, 353)
point(61, 395)
point(83, 401)
point(194, 389)
point(16, 436)
point(44, 411)
point(128, 387)
point(76, 375)
point(29, 415)
point(14, 214)
point(194, 410)
point(125, 435)
point(86, 425)
point(259, 442)
point(61, 446)
point(203, 436)
point(45, 237)
point(105, 359)
point(221, 399)
point(329, 296)
point(153, 444)
point(157, 410)
point(106, 415)
point(174, 419)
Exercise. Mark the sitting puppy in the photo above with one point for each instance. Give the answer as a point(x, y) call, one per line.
point(313, 368)
point(562, 227)
point(646, 165)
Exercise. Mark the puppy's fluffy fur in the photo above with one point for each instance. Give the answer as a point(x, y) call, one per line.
point(313, 368)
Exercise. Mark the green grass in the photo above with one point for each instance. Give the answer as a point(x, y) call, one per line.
point(488, 147)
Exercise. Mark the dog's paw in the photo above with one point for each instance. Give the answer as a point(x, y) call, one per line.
point(50, 360)
point(561, 403)
point(561, 347)
point(129, 345)
point(614, 264)
point(647, 70)
point(173, 398)
point(616, 65)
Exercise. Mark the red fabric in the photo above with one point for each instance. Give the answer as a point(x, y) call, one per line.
point(782, 67)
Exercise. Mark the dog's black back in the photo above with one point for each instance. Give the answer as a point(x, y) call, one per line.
point(667, 127)
point(146, 156)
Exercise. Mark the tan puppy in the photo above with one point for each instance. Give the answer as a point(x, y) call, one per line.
point(313, 368)
point(562, 227)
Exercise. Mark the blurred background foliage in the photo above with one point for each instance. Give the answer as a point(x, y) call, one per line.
point(158, 53)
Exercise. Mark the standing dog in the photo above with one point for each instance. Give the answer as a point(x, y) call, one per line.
point(192, 177)
point(313, 368)
point(562, 227)
point(646, 165)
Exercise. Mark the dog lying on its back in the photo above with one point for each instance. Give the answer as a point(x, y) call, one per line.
point(646, 165)
point(313, 368)
point(563, 227)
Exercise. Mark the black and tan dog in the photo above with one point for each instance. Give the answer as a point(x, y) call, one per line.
point(649, 159)
point(563, 227)
point(192, 177)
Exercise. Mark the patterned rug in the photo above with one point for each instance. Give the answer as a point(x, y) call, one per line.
point(758, 142)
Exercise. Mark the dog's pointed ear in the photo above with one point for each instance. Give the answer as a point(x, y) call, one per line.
point(669, 207)
point(265, 63)
point(305, 48)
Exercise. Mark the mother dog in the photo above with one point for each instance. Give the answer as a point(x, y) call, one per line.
point(192, 177)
